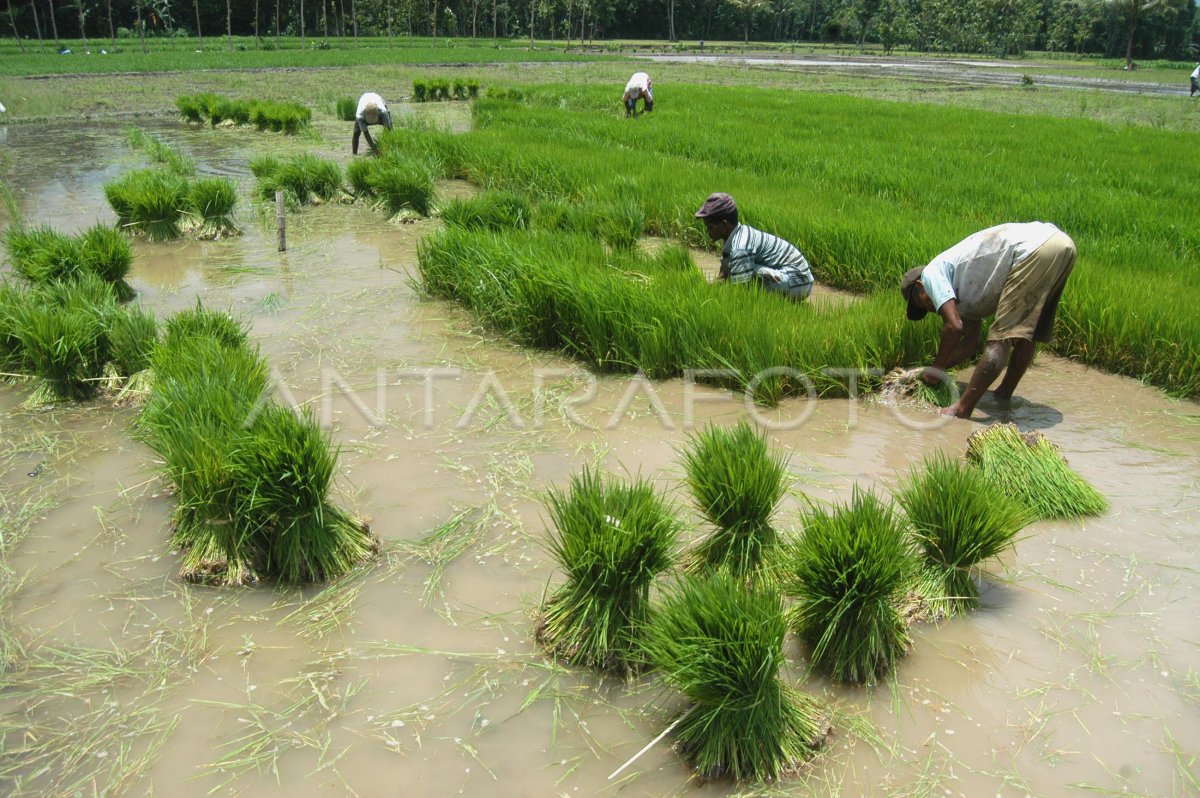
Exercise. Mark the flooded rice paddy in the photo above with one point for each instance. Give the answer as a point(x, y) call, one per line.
point(418, 675)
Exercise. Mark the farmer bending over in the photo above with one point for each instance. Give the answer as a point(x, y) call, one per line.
point(752, 255)
point(638, 87)
point(1017, 272)
point(371, 111)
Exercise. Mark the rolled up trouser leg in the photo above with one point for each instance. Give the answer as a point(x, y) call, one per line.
point(1029, 299)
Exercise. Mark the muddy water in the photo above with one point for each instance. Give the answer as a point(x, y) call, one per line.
point(1079, 673)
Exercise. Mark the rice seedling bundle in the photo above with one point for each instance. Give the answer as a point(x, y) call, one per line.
point(611, 539)
point(161, 152)
point(132, 335)
point(192, 107)
point(106, 252)
point(459, 89)
point(12, 357)
point(199, 322)
point(1030, 469)
point(41, 254)
point(420, 91)
point(302, 177)
point(472, 88)
point(721, 646)
point(358, 175)
point(736, 482)
point(849, 573)
point(492, 210)
point(346, 109)
point(63, 335)
point(403, 185)
point(211, 201)
point(264, 165)
point(959, 519)
point(149, 201)
point(281, 117)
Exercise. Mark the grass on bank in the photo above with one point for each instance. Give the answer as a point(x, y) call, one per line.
point(611, 539)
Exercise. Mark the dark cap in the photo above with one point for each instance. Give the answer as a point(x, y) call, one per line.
point(908, 287)
point(719, 204)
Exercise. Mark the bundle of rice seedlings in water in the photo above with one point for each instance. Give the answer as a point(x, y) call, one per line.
point(161, 153)
point(12, 355)
point(106, 252)
point(420, 91)
point(150, 202)
point(42, 254)
point(358, 175)
point(736, 482)
point(459, 89)
point(199, 322)
point(906, 384)
point(284, 467)
point(959, 519)
point(1029, 468)
point(264, 165)
point(301, 178)
point(63, 335)
point(721, 646)
point(346, 109)
point(472, 88)
point(611, 539)
point(192, 107)
point(849, 574)
point(403, 185)
point(492, 210)
point(132, 335)
point(211, 201)
point(195, 419)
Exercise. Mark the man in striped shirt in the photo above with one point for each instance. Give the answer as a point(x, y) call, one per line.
point(750, 255)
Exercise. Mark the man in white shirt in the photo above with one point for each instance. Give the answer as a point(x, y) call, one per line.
point(638, 87)
point(372, 110)
point(1015, 271)
point(1195, 81)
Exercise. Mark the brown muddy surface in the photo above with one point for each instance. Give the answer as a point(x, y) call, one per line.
point(417, 675)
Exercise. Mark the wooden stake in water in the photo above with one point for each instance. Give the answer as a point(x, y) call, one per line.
point(281, 220)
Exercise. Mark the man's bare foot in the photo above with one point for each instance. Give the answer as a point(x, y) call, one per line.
point(1003, 396)
point(954, 410)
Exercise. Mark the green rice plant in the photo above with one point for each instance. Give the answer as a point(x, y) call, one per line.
point(491, 210)
point(472, 88)
point(41, 254)
point(1030, 469)
point(132, 336)
point(358, 175)
point(736, 482)
point(150, 202)
point(106, 252)
point(12, 355)
point(192, 108)
point(611, 539)
point(673, 258)
point(302, 178)
point(161, 153)
point(420, 91)
point(959, 518)
point(403, 185)
point(346, 109)
point(284, 467)
point(63, 335)
point(211, 201)
point(620, 223)
point(439, 89)
point(199, 322)
point(264, 165)
point(459, 89)
point(721, 646)
point(849, 573)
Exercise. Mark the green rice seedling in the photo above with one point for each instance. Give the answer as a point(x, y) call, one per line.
point(472, 88)
point(673, 258)
point(132, 336)
point(736, 482)
point(106, 252)
point(149, 201)
point(284, 467)
point(491, 210)
point(420, 91)
point(12, 355)
point(161, 153)
point(721, 646)
point(264, 165)
point(611, 539)
point(358, 175)
point(346, 109)
point(1030, 469)
point(959, 518)
point(199, 322)
point(192, 108)
point(403, 185)
point(849, 573)
point(302, 178)
point(459, 89)
point(63, 335)
point(440, 89)
point(212, 200)
point(620, 223)
point(41, 254)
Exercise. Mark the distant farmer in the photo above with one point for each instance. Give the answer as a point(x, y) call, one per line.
point(638, 87)
point(371, 111)
point(1015, 271)
point(1195, 81)
point(752, 255)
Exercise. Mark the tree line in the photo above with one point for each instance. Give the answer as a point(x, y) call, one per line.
point(1158, 29)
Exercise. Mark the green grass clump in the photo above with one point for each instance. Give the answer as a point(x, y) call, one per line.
point(149, 202)
point(132, 336)
point(403, 185)
point(611, 539)
point(959, 519)
point(346, 109)
point(63, 332)
point(721, 646)
point(736, 482)
point(1028, 468)
point(358, 175)
point(849, 573)
point(303, 178)
point(161, 153)
point(211, 201)
point(492, 210)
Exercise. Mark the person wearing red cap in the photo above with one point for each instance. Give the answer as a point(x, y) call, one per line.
point(752, 255)
point(1015, 271)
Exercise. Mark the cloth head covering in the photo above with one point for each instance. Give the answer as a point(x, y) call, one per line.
point(908, 287)
point(718, 204)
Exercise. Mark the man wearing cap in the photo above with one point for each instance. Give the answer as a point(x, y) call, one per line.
point(752, 255)
point(372, 110)
point(1015, 271)
point(637, 88)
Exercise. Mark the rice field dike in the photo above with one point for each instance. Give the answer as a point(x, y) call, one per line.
point(905, 184)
